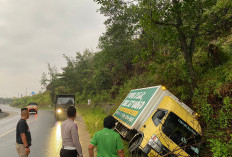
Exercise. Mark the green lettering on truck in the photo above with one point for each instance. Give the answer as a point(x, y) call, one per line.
point(134, 104)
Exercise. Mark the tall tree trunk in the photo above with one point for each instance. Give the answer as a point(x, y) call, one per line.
point(188, 53)
point(187, 50)
point(189, 63)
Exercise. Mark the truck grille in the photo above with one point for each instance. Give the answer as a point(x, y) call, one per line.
point(167, 152)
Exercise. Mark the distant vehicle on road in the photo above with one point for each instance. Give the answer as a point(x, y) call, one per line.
point(32, 107)
point(61, 104)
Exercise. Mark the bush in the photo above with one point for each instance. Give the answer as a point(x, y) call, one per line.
point(212, 99)
point(219, 148)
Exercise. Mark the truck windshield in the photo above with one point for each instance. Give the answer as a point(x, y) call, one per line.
point(65, 100)
point(182, 134)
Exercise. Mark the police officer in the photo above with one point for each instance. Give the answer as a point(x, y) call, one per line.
point(71, 146)
point(23, 135)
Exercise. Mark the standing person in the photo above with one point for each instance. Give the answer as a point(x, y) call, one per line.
point(107, 141)
point(71, 146)
point(23, 135)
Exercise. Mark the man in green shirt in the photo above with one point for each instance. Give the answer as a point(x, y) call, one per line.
point(107, 141)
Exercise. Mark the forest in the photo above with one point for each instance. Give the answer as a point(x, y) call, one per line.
point(184, 45)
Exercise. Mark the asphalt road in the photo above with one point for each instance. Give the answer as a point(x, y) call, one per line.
point(45, 132)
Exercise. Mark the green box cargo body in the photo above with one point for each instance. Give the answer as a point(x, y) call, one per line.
point(140, 104)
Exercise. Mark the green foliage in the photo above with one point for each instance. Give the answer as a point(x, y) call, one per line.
point(102, 80)
point(225, 114)
point(218, 20)
point(172, 73)
point(214, 104)
point(80, 70)
point(220, 149)
point(207, 112)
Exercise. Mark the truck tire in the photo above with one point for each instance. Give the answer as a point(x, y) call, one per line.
point(134, 147)
point(135, 142)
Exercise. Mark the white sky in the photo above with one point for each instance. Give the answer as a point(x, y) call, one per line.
point(34, 33)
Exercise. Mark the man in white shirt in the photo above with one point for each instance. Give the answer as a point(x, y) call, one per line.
point(71, 146)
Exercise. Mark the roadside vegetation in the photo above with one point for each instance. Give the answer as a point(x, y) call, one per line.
point(184, 45)
point(42, 99)
point(5, 100)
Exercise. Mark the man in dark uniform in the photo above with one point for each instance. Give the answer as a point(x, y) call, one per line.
point(71, 146)
point(23, 135)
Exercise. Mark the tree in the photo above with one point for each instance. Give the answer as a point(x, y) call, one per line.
point(43, 81)
point(217, 20)
point(53, 81)
point(179, 22)
point(118, 44)
point(78, 72)
point(52, 71)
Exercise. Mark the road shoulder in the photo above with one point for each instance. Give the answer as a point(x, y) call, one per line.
point(3, 115)
point(83, 135)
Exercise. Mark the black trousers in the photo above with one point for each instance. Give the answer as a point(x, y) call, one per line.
point(68, 153)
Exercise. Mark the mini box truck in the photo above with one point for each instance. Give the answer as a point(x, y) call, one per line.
point(62, 102)
point(156, 123)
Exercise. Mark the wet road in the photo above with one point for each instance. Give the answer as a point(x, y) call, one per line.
point(45, 132)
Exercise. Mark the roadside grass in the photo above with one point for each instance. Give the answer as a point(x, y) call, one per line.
point(93, 117)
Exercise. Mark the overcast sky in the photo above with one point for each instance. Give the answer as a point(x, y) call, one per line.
point(34, 33)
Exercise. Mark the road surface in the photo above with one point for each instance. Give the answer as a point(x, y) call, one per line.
point(45, 132)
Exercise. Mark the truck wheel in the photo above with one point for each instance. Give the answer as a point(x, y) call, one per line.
point(135, 142)
point(134, 147)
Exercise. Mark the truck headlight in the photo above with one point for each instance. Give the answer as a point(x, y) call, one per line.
point(58, 110)
point(155, 143)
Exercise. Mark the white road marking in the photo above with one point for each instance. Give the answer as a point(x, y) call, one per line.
point(7, 132)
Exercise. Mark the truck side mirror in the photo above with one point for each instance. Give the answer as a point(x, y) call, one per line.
point(158, 116)
point(161, 115)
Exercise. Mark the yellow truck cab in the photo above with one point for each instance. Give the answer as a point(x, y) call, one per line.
point(156, 123)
